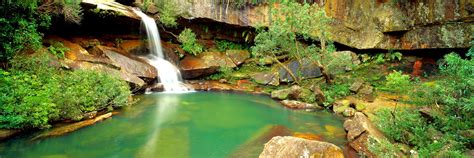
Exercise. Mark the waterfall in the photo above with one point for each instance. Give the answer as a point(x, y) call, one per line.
point(169, 74)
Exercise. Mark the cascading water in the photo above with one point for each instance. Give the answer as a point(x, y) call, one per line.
point(169, 74)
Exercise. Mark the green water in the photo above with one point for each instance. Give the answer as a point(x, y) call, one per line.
point(204, 124)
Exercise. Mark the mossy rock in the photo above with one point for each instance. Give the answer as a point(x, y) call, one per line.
point(360, 106)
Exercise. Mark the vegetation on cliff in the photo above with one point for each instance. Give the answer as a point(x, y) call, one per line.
point(22, 21)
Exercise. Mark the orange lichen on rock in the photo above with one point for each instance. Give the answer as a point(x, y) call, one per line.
point(308, 136)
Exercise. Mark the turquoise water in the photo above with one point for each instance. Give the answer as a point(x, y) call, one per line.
point(204, 124)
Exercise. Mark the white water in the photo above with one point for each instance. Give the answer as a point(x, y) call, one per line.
point(168, 74)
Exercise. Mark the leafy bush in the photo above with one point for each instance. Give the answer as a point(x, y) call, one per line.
point(223, 45)
point(409, 127)
point(403, 125)
point(19, 25)
point(34, 93)
point(96, 91)
point(383, 148)
point(397, 82)
point(224, 72)
point(58, 49)
point(189, 42)
point(335, 91)
point(168, 13)
point(450, 112)
point(25, 101)
point(20, 22)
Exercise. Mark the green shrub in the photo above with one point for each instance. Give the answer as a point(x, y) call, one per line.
point(383, 148)
point(58, 49)
point(334, 91)
point(223, 45)
point(168, 13)
point(189, 42)
point(397, 83)
point(96, 91)
point(224, 72)
point(403, 125)
point(19, 29)
point(25, 101)
point(34, 93)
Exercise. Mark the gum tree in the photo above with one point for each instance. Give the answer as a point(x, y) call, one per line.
point(291, 22)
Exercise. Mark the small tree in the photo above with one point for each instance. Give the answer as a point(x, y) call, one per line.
point(290, 21)
point(189, 42)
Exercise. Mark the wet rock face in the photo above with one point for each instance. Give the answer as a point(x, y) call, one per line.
point(288, 146)
point(366, 24)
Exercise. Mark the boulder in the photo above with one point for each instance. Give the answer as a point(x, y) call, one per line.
point(288, 93)
point(320, 98)
point(193, 67)
point(266, 78)
point(238, 56)
point(106, 59)
point(304, 71)
point(341, 61)
point(129, 64)
point(293, 104)
point(340, 106)
point(289, 146)
point(301, 71)
point(367, 93)
point(359, 129)
point(348, 112)
point(207, 63)
point(356, 86)
point(281, 94)
point(136, 81)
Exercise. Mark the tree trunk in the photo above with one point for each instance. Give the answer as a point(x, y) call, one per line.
point(288, 70)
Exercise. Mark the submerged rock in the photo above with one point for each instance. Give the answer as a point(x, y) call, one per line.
point(72, 127)
point(253, 146)
point(7, 133)
point(297, 147)
point(308, 136)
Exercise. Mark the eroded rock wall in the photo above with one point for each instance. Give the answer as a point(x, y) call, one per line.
point(366, 24)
